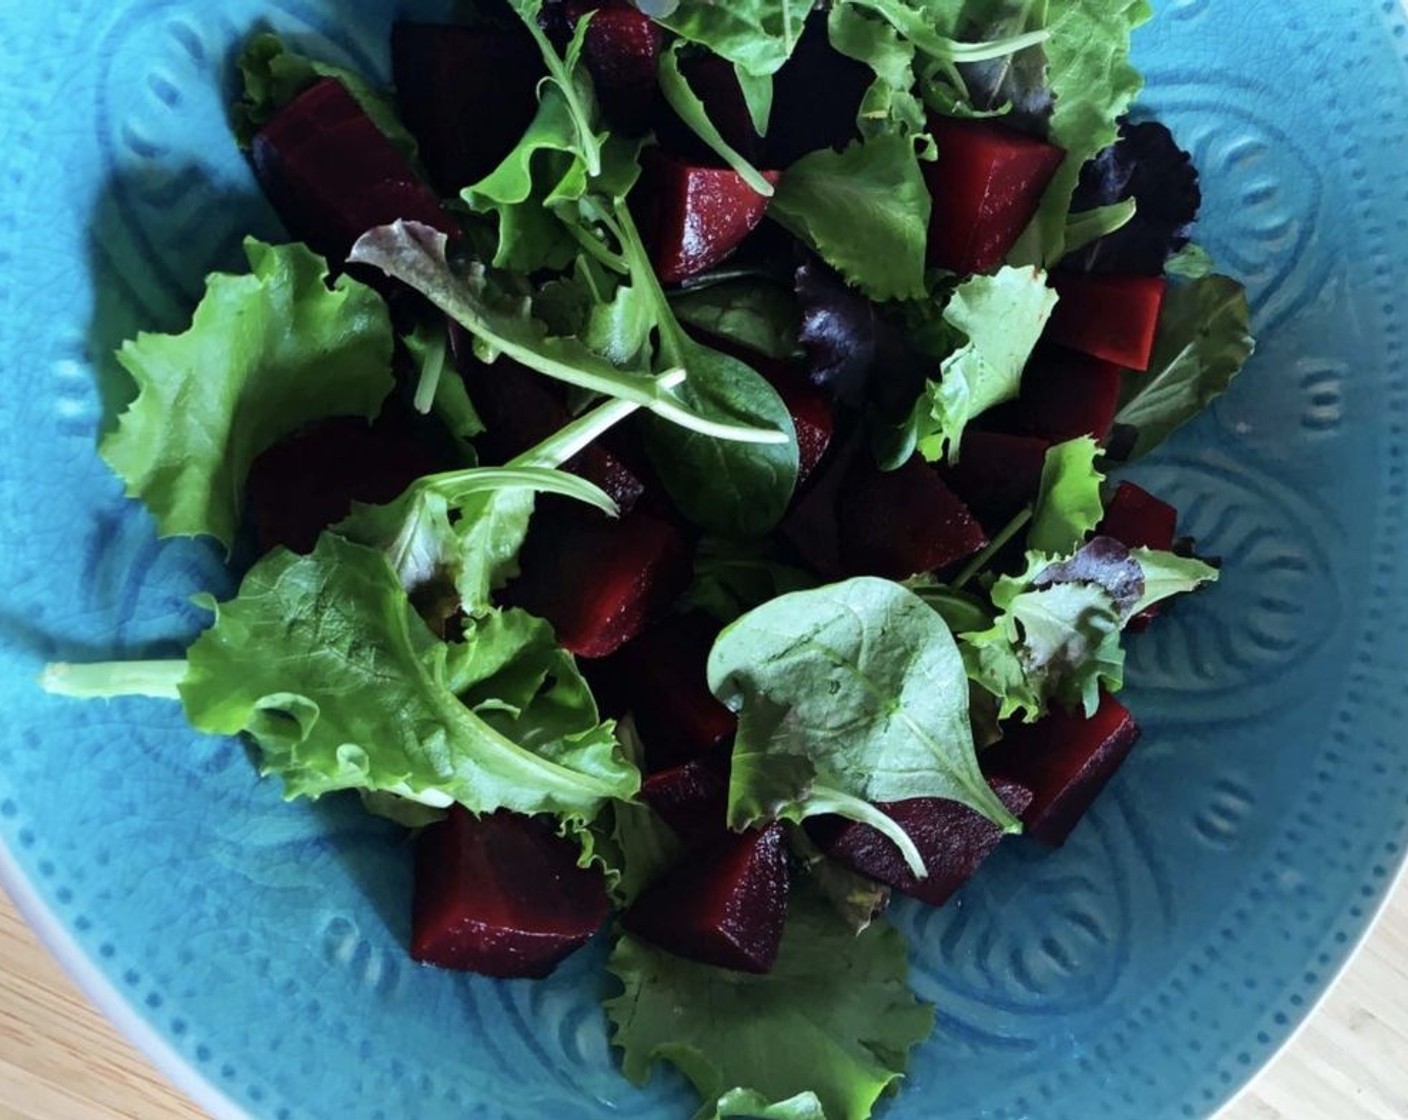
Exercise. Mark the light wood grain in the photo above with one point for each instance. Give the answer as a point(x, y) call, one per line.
point(60, 1060)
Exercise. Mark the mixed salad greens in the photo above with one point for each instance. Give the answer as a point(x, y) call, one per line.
point(677, 442)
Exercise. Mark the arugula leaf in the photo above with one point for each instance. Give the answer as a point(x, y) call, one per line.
point(613, 318)
point(274, 76)
point(891, 103)
point(690, 109)
point(757, 36)
point(266, 353)
point(831, 993)
point(569, 76)
point(415, 255)
point(323, 661)
point(1068, 505)
point(756, 314)
point(1014, 84)
point(874, 185)
point(1001, 318)
point(1094, 83)
point(872, 691)
point(1204, 340)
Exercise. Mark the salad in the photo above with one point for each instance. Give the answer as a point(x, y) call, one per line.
point(671, 467)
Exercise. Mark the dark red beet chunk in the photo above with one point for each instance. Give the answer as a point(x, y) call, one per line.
point(332, 175)
point(301, 486)
point(598, 581)
point(996, 475)
point(1064, 395)
point(1137, 519)
point(953, 839)
point(723, 906)
point(622, 50)
point(662, 678)
point(895, 524)
point(986, 184)
point(692, 799)
point(501, 895)
point(1065, 760)
point(813, 525)
point(1111, 317)
point(467, 94)
point(813, 414)
point(693, 217)
point(521, 408)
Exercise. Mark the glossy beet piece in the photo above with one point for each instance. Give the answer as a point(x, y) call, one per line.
point(723, 906)
point(1111, 317)
point(813, 525)
point(1065, 760)
point(521, 408)
point(307, 482)
point(332, 175)
point(896, 524)
point(986, 184)
point(663, 678)
point(953, 839)
point(1064, 395)
point(694, 216)
point(811, 409)
point(467, 94)
point(996, 475)
point(692, 799)
point(501, 895)
point(622, 50)
point(1137, 519)
point(598, 581)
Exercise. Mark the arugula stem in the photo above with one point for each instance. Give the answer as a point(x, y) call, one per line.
point(105, 680)
point(823, 799)
point(690, 109)
point(430, 374)
point(996, 48)
point(561, 74)
point(571, 440)
point(996, 545)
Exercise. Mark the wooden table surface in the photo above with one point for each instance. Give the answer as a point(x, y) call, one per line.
point(60, 1060)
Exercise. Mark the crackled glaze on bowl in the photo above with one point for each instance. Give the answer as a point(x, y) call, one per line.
point(1147, 969)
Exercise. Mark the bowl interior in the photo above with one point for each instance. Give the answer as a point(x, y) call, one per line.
point(1146, 969)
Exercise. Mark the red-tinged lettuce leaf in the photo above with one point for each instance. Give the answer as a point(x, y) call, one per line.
point(266, 354)
point(819, 1038)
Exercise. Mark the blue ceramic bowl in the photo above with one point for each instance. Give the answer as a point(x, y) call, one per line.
point(257, 949)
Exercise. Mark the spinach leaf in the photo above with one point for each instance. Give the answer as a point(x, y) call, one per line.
point(1204, 340)
point(756, 314)
point(874, 185)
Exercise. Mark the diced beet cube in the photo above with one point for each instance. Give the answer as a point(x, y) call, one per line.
point(811, 409)
point(996, 475)
point(468, 94)
point(622, 50)
point(332, 175)
point(1137, 519)
point(1065, 395)
point(896, 524)
point(724, 906)
point(598, 581)
point(1065, 760)
point(813, 525)
point(692, 799)
point(953, 839)
point(521, 408)
point(1111, 317)
point(501, 895)
point(309, 481)
point(693, 216)
point(986, 184)
point(663, 679)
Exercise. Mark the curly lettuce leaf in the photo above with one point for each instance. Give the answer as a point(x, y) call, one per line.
point(757, 36)
point(1068, 505)
point(266, 353)
point(325, 664)
point(875, 186)
point(891, 104)
point(821, 1037)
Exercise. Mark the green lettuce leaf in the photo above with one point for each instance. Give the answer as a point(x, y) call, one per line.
point(266, 353)
point(854, 690)
point(1094, 84)
point(1000, 319)
point(1203, 343)
point(567, 73)
point(757, 36)
point(1068, 505)
point(1167, 574)
point(891, 104)
point(323, 661)
point(758, 315)
point(874, 186)
point(819, 1038)
point(274, 76)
